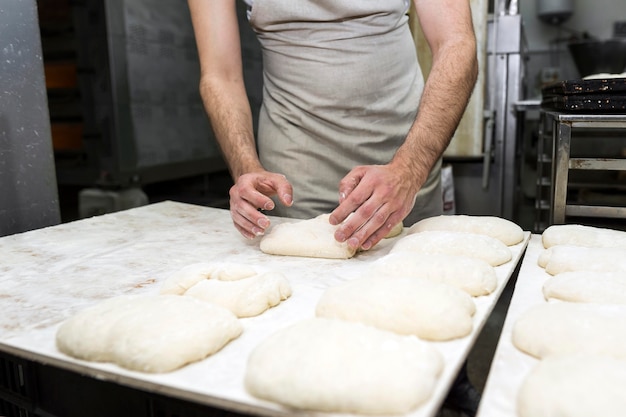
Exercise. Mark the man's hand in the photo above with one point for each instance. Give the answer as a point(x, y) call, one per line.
point(380, 196)
point(252, 193)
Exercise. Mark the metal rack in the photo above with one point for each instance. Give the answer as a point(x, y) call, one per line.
point(554, 163)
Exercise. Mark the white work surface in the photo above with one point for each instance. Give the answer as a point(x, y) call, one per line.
point(510, 366)
point(50, 274)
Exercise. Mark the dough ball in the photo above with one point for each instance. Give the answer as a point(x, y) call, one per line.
point(403, 305)
point(504, 230)
point(567, 258)
point(335, 366)
point(562, 327)
point(487, 248)
point(580, 235)
point(574, 385)
point(472, 275)
point(313, 238)
point(245, 297)
point(587, 287)
point(148, 333)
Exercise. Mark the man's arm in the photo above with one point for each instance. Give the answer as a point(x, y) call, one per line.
point(448, 29)
point(226, 102)
point(221, 82)
point(382, 196)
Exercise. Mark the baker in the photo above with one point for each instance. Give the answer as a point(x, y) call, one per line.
point(347, 123)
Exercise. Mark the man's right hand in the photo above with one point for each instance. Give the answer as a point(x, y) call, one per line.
point(251, 194)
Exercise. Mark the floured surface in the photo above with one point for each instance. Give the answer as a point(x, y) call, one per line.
point(134, 252)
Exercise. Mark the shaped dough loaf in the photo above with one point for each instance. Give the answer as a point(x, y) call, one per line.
point(334, 366)
point(580, 235)
point(474, 245)
point(246, 297)
point(587, 287)
point(562, 327)
point(313, 238)
point(239, 288)
point(574, 386)
point(567, 258)
point(472, 275)
point(403, 305)
point(148, 333)
point(504, 230)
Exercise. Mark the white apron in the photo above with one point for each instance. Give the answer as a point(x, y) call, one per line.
point(341, 89)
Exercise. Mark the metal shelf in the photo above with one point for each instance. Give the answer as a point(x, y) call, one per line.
point(558, 129)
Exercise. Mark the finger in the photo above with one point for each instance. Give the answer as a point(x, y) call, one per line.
point(250, 223)
point(284, 191)
point(348, 229)
point(380, 234)
point(349, 183)
point(368, 230)
point(353, 203)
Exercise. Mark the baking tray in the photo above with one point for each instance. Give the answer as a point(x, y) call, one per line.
point(510, 365)
point(50, 274)
point(609, 86)
point(593, 95)
point(597, 103)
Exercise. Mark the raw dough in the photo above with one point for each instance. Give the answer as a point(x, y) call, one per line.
point(473, 245)
point(245, 297)
point(579, 235)
point(472, 275)
point(403, 305)
point(313, 238)
point(188, 276)
point(157, 333)
point(587, 287)
point(566, 258)
point(574, 386)
point(504, 230)
point(237, 287)
point(562, 327)
point(395, 231)
point(335, 366)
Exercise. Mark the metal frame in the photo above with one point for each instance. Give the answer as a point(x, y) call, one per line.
point(562, 127)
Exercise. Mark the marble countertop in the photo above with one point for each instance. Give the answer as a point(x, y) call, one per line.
point(48, 275)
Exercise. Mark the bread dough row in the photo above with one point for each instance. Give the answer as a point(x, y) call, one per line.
point(315, 237)
point(580, 335)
